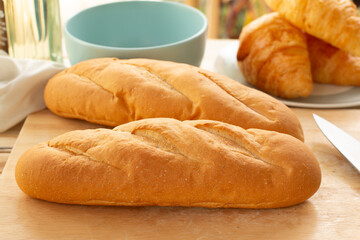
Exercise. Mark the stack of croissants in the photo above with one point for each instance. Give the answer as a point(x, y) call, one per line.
point(284, 52)
point(185, 136)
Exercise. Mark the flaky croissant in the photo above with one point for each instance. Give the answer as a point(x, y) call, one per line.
point(332, 65)
point(334, 21)
point(273, 56)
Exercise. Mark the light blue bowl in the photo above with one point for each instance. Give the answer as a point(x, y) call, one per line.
point(137, 29)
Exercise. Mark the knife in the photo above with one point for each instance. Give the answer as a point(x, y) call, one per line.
point(346, 144)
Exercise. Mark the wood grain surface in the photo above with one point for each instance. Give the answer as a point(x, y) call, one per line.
point(7, 141)
point(332, 213)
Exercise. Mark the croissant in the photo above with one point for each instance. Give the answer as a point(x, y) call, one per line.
point(332, 65)
point(273, 56)
point(334, 21)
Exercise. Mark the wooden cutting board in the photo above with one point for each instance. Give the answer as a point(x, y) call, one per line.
point(332, 213)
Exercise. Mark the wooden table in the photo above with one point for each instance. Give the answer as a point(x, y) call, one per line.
point(7, 141)
point(332, 213)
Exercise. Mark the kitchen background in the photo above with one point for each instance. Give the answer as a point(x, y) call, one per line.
point(226, 17)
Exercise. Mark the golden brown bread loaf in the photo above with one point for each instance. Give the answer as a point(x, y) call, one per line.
point(332, 65)
point(166, 162)
point(110, 91)
point(334, 21)
point(273, 56)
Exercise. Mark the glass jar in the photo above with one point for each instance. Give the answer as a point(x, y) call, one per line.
point(3, 34)
point(33, 29)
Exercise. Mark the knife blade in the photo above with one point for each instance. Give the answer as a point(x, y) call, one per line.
point(344, 142)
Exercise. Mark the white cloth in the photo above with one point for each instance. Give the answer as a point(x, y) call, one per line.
point(22, 83)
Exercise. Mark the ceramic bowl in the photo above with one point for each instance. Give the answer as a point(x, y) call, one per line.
point(137, 29)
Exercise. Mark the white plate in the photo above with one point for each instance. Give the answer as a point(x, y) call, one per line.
point(323, 95)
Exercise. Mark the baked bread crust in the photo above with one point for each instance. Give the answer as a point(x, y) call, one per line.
point(332, 65)
point(334, 21)
point(273, 56)
point(165, 162)
point(111, 92)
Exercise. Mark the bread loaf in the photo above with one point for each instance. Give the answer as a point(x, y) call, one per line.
point(111, 92)
point(337, 22)
point(166, 162)
point(273, 56)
